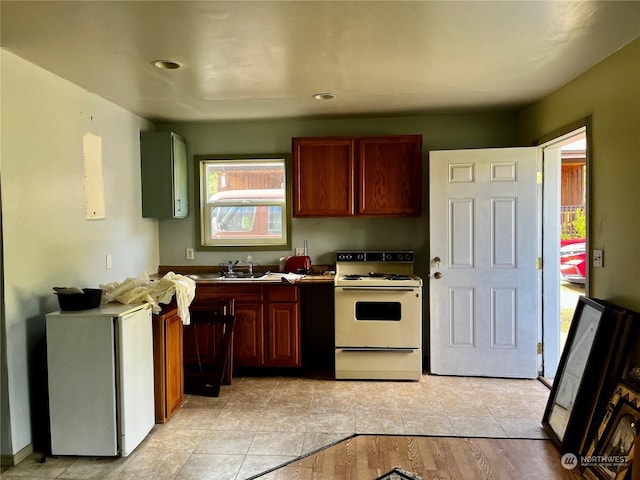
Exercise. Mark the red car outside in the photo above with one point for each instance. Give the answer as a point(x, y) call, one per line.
point(573, 260)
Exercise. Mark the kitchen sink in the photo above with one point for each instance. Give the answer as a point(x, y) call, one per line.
point(205, 276)
point(241, 275)
point(226, 276)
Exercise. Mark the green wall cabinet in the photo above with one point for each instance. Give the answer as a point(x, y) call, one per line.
point(164, 175)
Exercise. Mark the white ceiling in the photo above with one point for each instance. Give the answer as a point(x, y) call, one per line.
point(265, 59)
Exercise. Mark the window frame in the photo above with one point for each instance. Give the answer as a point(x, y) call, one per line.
point(203, 206)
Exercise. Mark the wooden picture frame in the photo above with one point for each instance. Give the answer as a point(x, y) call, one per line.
point(615, 437)
point(585, 365)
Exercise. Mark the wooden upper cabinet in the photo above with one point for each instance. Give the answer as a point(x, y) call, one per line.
point(390, 175)
point(323, 170)
point(366, 176)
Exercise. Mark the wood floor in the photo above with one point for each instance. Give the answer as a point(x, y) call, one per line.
point(367, 457)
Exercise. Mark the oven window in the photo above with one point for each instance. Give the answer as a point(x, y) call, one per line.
point(384, 311)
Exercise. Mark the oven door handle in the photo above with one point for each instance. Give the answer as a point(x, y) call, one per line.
point(375, 349)
point(376, 289)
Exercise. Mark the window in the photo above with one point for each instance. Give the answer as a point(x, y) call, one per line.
point(243, 202)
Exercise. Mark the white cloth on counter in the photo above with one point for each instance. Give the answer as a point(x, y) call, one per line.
point(287, 277)
point(143, 289)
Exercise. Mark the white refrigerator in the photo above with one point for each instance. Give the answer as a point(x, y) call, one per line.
point(100, 371)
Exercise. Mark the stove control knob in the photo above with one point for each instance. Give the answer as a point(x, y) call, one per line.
point(388, 256)
point(361, 256)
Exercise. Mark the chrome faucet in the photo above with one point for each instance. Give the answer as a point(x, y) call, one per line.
point(231, 265)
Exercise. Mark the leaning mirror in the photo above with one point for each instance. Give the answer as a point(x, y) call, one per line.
point(580, 374)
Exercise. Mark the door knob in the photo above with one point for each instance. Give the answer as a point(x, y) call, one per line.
point(436, 259)
point(437, 275)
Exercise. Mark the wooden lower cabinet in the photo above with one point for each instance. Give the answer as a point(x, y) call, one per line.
point(167, 361)
point(267, 325)
point(248, 335)
point(283, 328)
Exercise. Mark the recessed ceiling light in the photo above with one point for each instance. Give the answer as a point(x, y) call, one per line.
point(324, 96)
point(166, 64)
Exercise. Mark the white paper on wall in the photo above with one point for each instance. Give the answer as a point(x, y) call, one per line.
point(93, 178)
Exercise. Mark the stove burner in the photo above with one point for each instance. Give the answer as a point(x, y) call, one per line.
point(389, 276)
point(352, 277)
point(398, 277)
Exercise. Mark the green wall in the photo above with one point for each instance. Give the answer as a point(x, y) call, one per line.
point(610, 94)
point(325, 236)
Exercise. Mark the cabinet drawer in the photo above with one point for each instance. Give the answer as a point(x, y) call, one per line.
point(282, 293)
point(237, 292)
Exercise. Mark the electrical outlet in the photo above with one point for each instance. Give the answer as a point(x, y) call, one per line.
point(189, 253)
point(299, 251)
point(598, 258)
point(107, 261)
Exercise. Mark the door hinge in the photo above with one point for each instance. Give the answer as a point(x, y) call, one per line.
point(538, 263)
point(539, 347)
point(539, 178)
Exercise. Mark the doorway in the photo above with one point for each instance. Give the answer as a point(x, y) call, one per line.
point(564, 239)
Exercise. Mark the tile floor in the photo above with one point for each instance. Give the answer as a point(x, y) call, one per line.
point(259, 423)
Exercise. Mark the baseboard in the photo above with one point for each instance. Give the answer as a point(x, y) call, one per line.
point(546, 382)
point(16, 458)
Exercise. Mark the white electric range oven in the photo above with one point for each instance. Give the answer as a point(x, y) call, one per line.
point(378, 316)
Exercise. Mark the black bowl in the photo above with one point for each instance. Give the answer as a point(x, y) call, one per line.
point(91, 298)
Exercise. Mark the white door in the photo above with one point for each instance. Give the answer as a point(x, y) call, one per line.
point(483, 277)
point(551, 223)
point(135, 361)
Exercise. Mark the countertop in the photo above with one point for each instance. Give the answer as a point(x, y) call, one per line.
point(266, 279)
point(322, 274)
